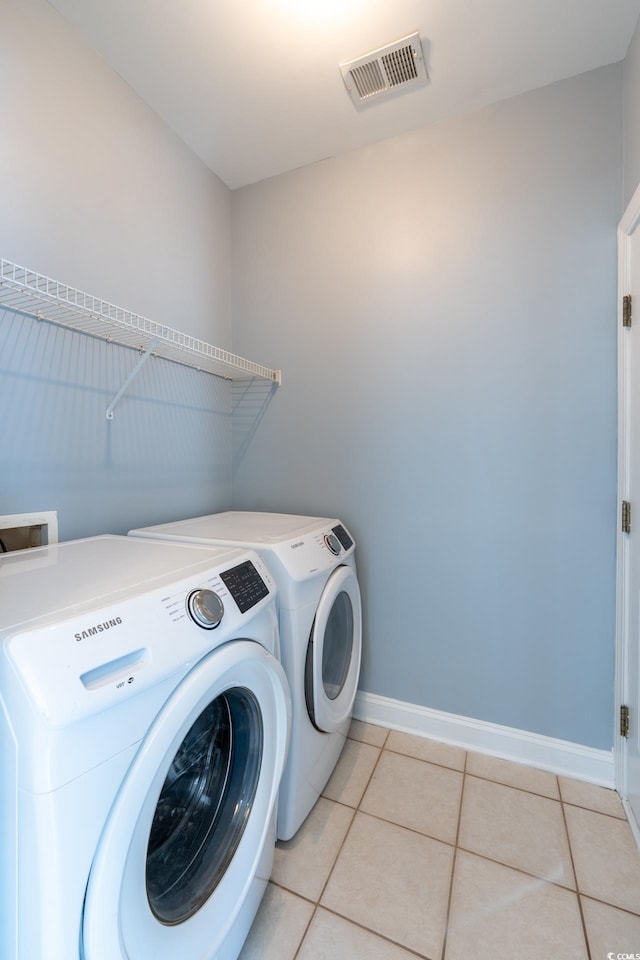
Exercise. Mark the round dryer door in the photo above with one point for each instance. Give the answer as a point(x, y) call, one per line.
point(334, 652)
point(188, 828)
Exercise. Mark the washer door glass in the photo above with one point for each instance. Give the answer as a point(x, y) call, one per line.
point(204, 806)
point(333, 655)
point(187, 847)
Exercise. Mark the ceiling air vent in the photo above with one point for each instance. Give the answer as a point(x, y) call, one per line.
point(393, 68)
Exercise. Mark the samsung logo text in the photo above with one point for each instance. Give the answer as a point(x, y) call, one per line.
point(98, 628)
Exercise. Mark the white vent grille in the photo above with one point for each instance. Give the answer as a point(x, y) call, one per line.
point(396, 66)
point(368, 79)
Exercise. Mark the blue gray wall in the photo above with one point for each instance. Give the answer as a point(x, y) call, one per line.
point(96, 192)
point(443, 307)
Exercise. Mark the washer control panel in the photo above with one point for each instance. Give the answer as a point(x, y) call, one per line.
point(75, 661)
point(245, 585)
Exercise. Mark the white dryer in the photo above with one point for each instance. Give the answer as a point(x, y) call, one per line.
point(143, 731)
point(312, 560)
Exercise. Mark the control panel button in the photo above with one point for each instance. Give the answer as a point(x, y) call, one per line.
point(332, 543)
point(205, 608)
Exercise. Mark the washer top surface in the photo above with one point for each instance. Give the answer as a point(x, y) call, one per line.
point(46, 581)
point(245, 527)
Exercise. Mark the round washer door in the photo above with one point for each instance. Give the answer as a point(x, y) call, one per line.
point(334, 652)
point(182, 843)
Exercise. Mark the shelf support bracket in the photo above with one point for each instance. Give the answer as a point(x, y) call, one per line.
point(134, 373)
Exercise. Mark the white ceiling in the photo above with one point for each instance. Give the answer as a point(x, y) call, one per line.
point(253, 86)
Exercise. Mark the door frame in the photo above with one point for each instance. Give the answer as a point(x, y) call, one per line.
point(629, 223)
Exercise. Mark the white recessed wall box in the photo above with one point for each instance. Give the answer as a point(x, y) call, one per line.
point(20, 531)
point(397, 67)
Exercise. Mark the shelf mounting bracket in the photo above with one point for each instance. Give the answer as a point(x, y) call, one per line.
point(134, 373)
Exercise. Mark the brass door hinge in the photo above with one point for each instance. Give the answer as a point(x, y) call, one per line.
point(626, 311)
point(626, 517)
point(624, 721)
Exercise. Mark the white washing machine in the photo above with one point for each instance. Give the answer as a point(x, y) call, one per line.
point(143, 731)
point(312, 560)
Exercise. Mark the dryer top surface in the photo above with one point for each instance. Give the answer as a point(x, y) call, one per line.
point(244, 527)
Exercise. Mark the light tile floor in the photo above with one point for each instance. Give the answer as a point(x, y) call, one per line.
point(421, 850)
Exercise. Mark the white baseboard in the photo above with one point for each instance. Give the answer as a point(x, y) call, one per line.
point(558, 756)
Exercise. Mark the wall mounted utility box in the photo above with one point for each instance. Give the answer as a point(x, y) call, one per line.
point(20, 531)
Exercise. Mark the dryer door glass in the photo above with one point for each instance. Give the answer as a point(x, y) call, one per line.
point(337, 646)
point(332, 664)
point(204, 806)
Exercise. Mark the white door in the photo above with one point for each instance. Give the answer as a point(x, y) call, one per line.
point(628, 639)
point(187, 830)
point(334, 652)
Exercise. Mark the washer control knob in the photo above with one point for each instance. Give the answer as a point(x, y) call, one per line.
point(333, 543)
point(206, 608)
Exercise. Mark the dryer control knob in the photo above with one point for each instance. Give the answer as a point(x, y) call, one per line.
point(206, 608)
point(333, 543)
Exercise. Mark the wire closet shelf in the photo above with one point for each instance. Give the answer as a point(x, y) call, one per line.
point(28, 292)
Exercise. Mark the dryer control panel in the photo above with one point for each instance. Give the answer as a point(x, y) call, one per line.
point(314, 552)
point(340, 532)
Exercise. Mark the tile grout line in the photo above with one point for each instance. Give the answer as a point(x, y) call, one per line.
point(316, 903)
point(376, 933)
point(519, 870)
point(306, 931)
point(355, 811)
point(435, 763)
point(338, 852)
point(601, 813)
point(294, 893)
point(514, 786)
point(319, 906)
point(454, 860)
point(607, 903)
point(575, 873)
